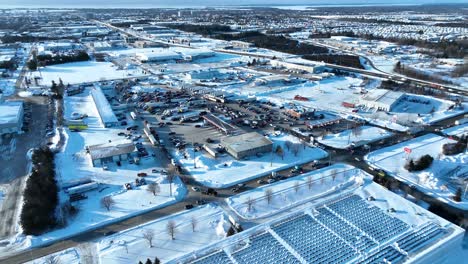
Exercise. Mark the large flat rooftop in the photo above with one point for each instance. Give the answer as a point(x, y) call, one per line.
point(10, 112)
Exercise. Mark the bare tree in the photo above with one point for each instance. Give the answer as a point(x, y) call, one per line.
point(52, 259)
point(148, 235)
point(309, 182)
point(268, 195)
point(334, 173)
point(107, 202)
point(288, 145)
point(250, 203)
point(280, 152)
point(194, 223)
point(296, 187)
point(171, 229)
point(296, 148)
point(356, 131)
point(153, 188)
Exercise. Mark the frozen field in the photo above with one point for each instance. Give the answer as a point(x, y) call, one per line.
point(87, 71)
point(438, 179)
point(295, 191)
point(354, 137)
point(129, 246)
point(225, 171)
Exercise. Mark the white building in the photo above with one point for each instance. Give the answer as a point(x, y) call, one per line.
point(381, 99)
point(158, 56)
point(106, 114)
point(111, 152)
point(11, 117)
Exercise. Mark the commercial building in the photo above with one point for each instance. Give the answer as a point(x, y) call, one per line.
point(164, 55)
point(111, 152)
point(106, 114)
point(11, 117)
point(381, 99)
point(246, 145)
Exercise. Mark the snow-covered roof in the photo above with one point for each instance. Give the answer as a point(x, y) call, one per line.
point(382, 96)
point(246, 141)
point(105, 111)
point(159, 56)
point(111, 149)
point(10, 113)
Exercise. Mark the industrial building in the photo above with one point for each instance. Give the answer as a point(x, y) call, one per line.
point(160, 55)
point(106, 114)
point(381, 99)
point(111, 152)
point(246, 145)
point(11, 117)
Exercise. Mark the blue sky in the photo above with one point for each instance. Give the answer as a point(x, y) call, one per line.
point(211, 2)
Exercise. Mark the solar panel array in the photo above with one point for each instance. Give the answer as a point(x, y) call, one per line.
point(350, 230)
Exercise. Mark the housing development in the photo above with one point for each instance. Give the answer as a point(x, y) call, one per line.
point(234, 134)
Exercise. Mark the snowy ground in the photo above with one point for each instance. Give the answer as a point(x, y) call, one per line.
point(127, 203)
point(432, 181)
point(129, 246)
point(87, 71)
point(225, 171)
point(68, 256)
point(325, 181)
point(457, 130)
point(358, 137)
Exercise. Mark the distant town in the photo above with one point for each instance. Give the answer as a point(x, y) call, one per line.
point(325, 134)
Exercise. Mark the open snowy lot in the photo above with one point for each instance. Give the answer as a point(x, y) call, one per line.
point(457, 130)
point(68, 256)
point(225, 171)
point(91, 213)
point(129, 246)
point(86, 71)
point(295, 191)
point(440, 180)
point(356, 137)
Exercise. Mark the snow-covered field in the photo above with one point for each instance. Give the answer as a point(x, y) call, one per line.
point(457, 130)
point(129, 246)
point(68, 256)
point(225, 171)
point(295, 191)
point(354, 137)
point(438, 179)
point(86, 71)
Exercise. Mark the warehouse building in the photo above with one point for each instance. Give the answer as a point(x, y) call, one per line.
point(246, 145)
point(106, 114)
point(11, 117)
point(381, 99)
point(111, 152)
point(158, 56)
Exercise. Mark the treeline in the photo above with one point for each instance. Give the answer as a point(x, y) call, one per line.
point(9, 65)
point(48, 59)
point(413, 73)
point(443, 49)
point(453, 24)
point(40, 194)
point(205, 30)
point(26, 39)
point(338, 59)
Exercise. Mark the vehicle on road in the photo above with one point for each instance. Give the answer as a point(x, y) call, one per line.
point(188, 206)
point(195, 189)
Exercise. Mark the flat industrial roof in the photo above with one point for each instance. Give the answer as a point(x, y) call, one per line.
point(111, 149)
point(105, 110)
point(246, 141)
point(382, 96)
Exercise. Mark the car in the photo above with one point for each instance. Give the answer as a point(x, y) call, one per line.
point(271, 180)
point(105, 167)
point(50, 134)
point(188, 206)
point(142, 174)
point(357, 159)
point(195, 189)
point(169, 123)
point(154, 171)
point(172, 133)
point(235, 189)
point(201, 202)
point(261, 181)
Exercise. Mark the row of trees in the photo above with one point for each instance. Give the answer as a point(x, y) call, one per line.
point(422, 163)
point(40, 194)
point(49, 59)
point(413, 73)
